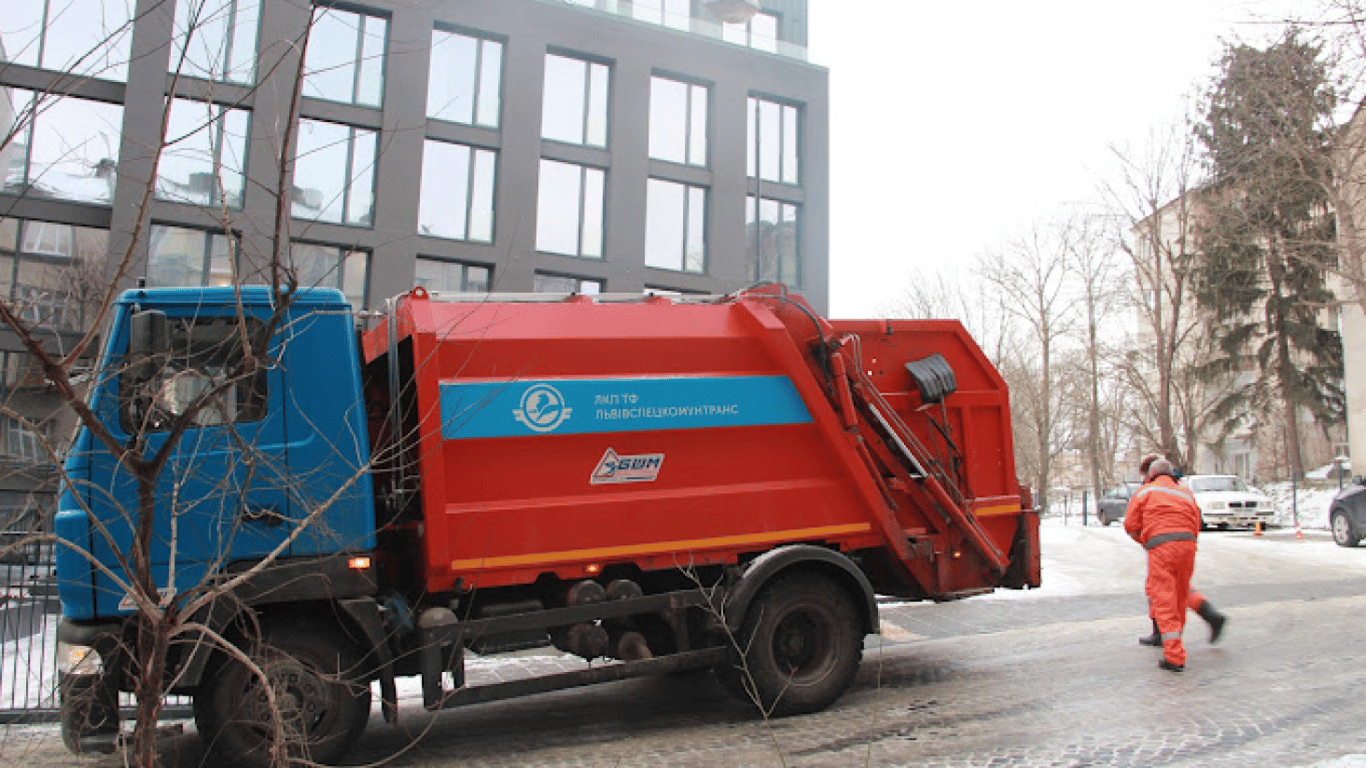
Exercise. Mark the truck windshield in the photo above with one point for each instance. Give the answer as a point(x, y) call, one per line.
point(200, 373)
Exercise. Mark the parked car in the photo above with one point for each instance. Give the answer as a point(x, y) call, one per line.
point(1347, 513)
point(1226, 501)
point(1114, 502)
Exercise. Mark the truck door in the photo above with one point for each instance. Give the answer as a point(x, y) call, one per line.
point(221, 496)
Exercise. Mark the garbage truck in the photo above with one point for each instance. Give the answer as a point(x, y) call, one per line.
point(653, 484)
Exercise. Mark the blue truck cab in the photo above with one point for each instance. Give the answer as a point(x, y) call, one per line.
point(273, 466)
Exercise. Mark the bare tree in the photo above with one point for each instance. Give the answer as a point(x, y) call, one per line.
point(1030, 279)
point(1098, 278)
point(1155, 197)
point(167, 398)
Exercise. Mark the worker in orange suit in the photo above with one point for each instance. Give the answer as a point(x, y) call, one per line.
point(1195, 602)
point(1164, 518)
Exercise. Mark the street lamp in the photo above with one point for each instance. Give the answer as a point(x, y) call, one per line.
point(733, 11)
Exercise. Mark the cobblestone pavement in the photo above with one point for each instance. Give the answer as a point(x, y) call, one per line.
point(1051, 678)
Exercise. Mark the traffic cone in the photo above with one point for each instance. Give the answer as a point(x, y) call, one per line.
point(1258, 531)
point(1299, 534)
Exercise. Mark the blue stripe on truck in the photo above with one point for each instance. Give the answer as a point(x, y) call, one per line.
point(476, 409)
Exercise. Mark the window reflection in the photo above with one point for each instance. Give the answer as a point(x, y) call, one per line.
point(89, 38)
point(760, 32)
point(455, 276)
point(678, 121)
point(569, 209)
point(566, 284)
point(456, 199)
point(466, 74)
point(180, 256)
point(337, 163)
point(330, 266)
point(345, 57)
point(62, 147)
point(204, 157)
point(217, 39)
point(574, 105)
point(675, 225)
point(53, 274)
point(670, 13)
point(775, 237)
point(772, 131)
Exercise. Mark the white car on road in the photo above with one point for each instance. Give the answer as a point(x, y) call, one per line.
point(1225, 500)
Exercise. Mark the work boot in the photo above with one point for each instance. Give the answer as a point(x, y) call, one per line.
point(1215, 618)
point(1170, 667)
point(1155, 639)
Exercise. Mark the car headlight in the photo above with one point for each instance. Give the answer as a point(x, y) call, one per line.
point(1218, 505)
point(78, 659)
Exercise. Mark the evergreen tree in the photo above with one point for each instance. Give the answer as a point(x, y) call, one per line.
point(1266, 239)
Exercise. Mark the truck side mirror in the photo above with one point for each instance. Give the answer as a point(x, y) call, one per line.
point(148, 334)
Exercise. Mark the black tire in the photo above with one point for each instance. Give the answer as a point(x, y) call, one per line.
point(803, 641)
point(319, 689)
point(1104, 520)
point(1344, 533)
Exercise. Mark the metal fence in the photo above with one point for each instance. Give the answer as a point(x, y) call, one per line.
point(28, 635)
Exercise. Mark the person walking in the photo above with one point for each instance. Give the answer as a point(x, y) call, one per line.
point(1164, 518)
point(1195, 601)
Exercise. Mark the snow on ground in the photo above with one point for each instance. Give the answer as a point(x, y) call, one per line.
point(1311, 503)
point(28, 674)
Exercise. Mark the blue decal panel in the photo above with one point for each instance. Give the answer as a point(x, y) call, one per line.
point(476, 409)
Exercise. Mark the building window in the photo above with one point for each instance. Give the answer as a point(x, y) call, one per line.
point(547, 283)
point(675, 226)
point(87, 38)
point(456, 198)
point(61, 146)
point(203, 161)
point(671, 13)
point(773, 135)
point(760, 32)
point(574, 106)
point(217, 39)
point(678, 121)
point(334, 173)
point(466, 75)
point(53, 274)
point(569, 209)
point(22, 444)
point(456, 276)
point(179, 256)
point(345, 58)
point(775, 238)
point(330, 266)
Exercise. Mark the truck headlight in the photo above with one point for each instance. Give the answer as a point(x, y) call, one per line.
point(78, 659)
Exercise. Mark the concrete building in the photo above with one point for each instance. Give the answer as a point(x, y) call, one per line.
point(518, 145)
point(463, 145)
point(1165, 247)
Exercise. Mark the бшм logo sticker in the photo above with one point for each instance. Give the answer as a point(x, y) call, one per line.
point(641, 468)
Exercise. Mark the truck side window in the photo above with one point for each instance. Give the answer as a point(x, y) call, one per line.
point(201, 372)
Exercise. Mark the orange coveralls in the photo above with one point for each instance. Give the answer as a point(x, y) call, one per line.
point(1164, 518)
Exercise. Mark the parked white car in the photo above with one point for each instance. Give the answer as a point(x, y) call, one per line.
point(1225, 501)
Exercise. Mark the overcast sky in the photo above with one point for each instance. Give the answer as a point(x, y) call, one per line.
point(955, 125)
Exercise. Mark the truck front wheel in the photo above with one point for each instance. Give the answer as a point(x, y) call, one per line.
point(322, 700)
point(802, 645)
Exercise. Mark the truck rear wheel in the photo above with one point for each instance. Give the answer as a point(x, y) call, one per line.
point(802, 643)
point(322, 699)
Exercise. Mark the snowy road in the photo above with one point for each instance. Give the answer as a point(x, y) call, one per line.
point(1051, 677)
